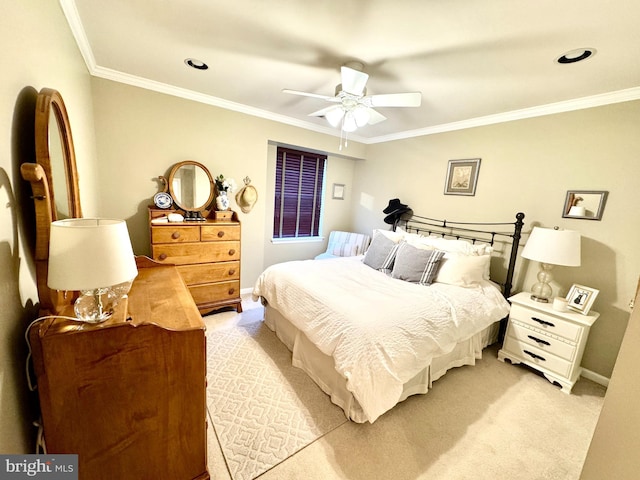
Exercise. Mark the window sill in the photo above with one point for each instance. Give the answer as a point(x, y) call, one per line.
point(290, 240)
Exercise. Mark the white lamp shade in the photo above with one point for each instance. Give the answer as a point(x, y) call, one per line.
point(89, 253)
point(555, 247)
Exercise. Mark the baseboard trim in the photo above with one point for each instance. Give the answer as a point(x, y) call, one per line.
point(246, 291)
point(595, 377)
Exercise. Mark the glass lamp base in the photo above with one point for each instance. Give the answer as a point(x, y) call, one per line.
point(95, 306)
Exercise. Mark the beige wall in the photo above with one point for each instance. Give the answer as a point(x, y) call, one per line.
point(37, 51)
point(613, 452)
point(528, 166)
point(141, 134)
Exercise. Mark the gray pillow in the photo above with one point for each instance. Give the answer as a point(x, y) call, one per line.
point(381, 253)
point(416, 265)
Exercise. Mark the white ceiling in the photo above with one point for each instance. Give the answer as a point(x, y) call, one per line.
point(475, 61)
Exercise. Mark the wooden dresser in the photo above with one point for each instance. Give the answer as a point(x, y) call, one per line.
point(128, 395)
point(207, 254)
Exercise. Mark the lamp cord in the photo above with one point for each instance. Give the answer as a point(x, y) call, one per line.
point(30, 384)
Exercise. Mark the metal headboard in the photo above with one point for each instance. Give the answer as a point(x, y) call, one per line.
point(471, 231)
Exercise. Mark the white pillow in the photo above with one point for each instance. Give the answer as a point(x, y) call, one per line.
point(395, 237)
point(463, 270)
point(459, 246)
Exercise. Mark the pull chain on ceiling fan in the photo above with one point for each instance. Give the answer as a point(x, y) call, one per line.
point(352, 108)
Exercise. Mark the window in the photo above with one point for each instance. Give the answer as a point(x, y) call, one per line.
point(298, 193)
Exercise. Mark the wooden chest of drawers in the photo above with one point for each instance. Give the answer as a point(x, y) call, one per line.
point(207, 254)
point(545, 339)
point(128, 395)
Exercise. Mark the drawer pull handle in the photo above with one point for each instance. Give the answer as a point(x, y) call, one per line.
point(231, 290)
point(175, 235)
point(232, 252)
point(538, 340)
point(542, 322)
point(232, 271)
point(220, 234)
point(534, 356)
point(162, 256)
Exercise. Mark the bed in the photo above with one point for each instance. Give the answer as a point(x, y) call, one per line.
point(373, 329)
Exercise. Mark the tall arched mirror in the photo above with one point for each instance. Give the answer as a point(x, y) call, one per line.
point(191, 186)
point(54, 182)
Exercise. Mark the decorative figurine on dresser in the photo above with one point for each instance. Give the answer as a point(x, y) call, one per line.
point(204, 243)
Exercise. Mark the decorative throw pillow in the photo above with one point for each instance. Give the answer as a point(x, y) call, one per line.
point(381, 253)
point(344, 249)
point(416, 265)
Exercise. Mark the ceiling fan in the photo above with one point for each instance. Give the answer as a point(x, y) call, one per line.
point(352, 107)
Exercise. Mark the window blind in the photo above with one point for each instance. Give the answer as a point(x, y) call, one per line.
point(298, 193)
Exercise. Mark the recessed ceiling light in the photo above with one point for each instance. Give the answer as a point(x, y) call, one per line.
point(576, 55)
point(197, 64)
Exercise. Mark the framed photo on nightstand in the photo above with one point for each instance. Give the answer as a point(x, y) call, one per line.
point(581, 298)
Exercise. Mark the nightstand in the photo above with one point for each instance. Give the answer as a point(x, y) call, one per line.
point(545, 339)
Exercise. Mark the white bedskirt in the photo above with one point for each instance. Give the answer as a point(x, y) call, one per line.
point(321, 368)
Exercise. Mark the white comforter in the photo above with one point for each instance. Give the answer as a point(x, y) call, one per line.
point(380, 331)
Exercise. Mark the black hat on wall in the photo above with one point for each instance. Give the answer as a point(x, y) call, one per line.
point(394, 204)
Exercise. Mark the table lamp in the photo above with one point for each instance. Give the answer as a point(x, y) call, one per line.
point(91, 255)
point(551, 246)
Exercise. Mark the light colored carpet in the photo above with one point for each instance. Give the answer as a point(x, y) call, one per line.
point(492, 420)
point(263, 409)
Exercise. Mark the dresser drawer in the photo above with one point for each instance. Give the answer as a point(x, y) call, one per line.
point(214, 292)
point(189, 253)
point(548, 323)
point(209, 272)
point(543, 342)
point(175, 234)
point(214, 233)
point(537, 357)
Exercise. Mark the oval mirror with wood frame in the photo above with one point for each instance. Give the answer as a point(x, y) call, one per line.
point(192, 188)
point(54, 183)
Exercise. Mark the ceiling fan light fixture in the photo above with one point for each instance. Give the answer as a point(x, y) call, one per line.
point(361, 115)
point(334, 116)
point(349, 123)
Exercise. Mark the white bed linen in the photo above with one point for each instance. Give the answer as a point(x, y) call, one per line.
point(321, 368)
point(380, 331)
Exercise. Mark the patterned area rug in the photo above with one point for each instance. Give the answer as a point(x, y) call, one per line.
point(262, 408)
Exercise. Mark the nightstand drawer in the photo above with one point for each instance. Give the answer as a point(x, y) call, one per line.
point(544, 342)
point(538, 357)
point(548, 323)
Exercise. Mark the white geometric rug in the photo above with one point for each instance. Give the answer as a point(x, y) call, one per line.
point(262, 408)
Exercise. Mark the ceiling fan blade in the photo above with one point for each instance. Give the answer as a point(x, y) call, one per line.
point(412, 99)
point(375, 117)
point(323, 111)
point(353, 81)
point(307, 94)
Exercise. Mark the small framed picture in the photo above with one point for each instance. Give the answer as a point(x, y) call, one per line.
point(462, 177)
point(338, 191)
point(581, 298)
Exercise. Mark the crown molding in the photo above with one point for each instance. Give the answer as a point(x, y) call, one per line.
point(77, 29)
point(608, 98)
